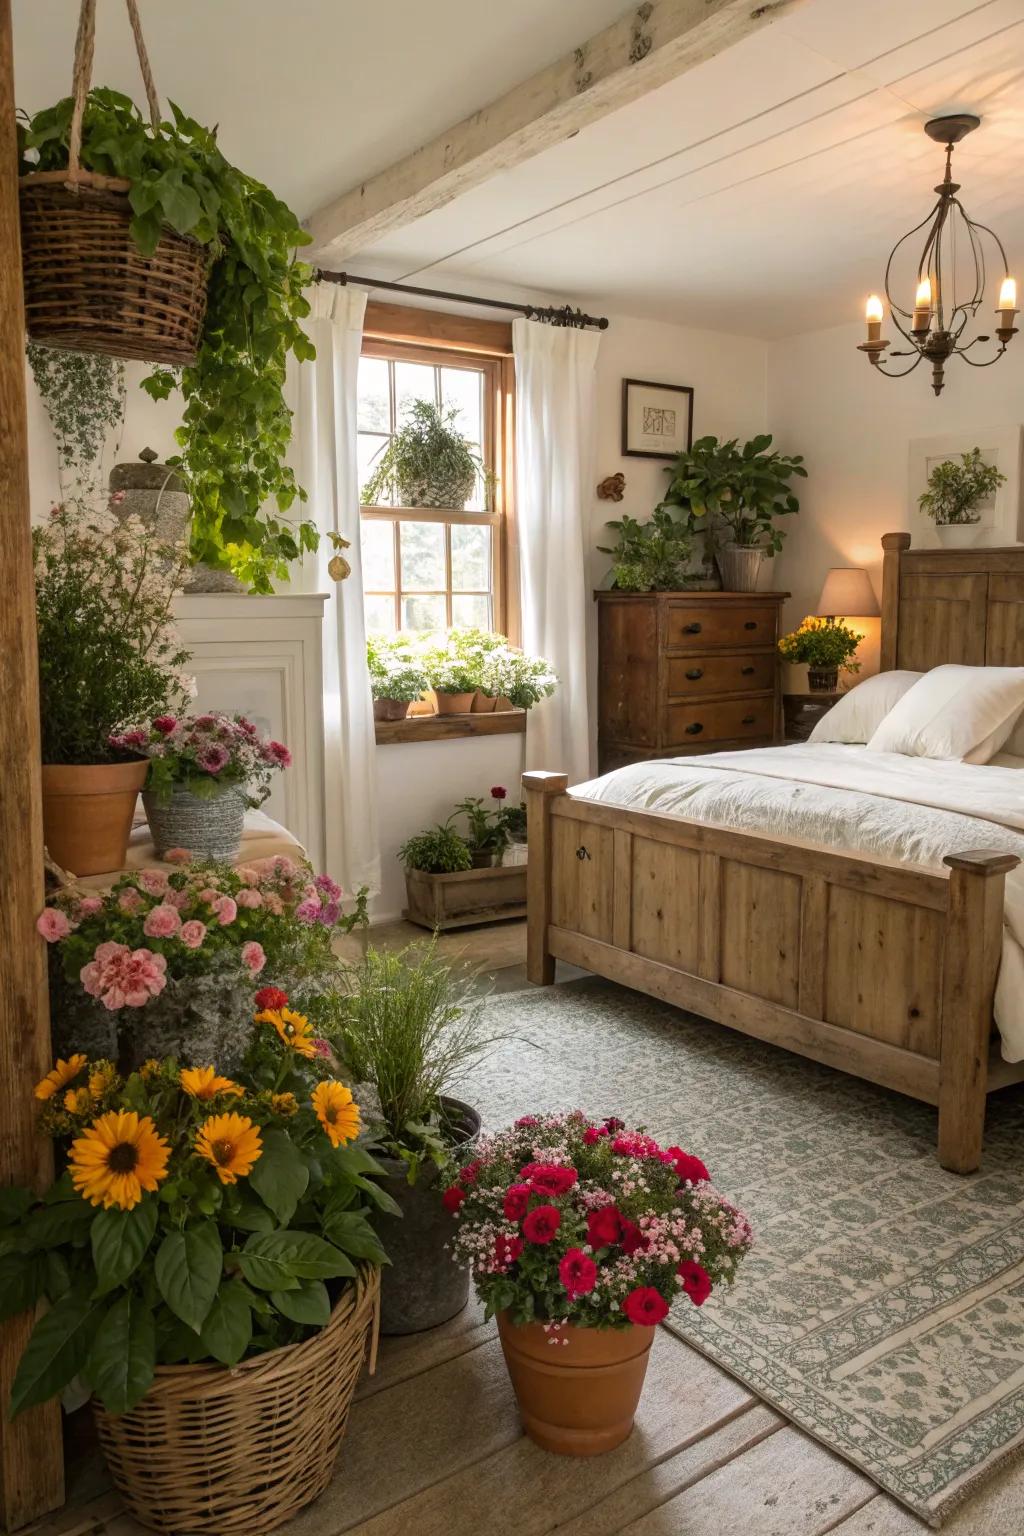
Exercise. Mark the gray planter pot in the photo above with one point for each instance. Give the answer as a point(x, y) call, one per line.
point(210, 829)
point(422, 1287)
point(740, 565)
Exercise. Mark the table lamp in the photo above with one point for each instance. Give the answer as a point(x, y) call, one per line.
point(847, 594)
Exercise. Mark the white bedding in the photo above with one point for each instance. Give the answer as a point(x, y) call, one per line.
point(848, 798)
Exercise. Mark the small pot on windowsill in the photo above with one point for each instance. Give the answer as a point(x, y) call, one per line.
point(454, 703)
point(484, 858)
point(958, 535)
point(390, 709)
point(502, 705)
point(823, 679)
point(484, 703)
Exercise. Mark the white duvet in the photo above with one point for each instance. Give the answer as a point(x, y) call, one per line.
point(894, 808)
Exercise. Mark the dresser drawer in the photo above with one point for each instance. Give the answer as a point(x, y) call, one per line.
point(719, 624)
point(728, 720)
point(697, 676)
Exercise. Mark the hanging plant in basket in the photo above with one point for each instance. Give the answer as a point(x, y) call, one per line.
point(140, 240)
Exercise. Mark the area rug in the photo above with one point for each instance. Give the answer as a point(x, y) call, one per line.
point(882, 1308)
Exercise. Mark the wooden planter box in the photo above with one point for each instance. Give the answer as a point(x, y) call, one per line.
point(471, 896)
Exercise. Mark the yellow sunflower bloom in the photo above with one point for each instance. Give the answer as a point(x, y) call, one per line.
point(284, 1104)
point(204, 1083)
point(62, 1074)
point(293, 1028)
point(78, 1101)
point(102, 1078)
point(231, 1143)
point(337, 1112)
point(150, 1068)
point(117, 1158)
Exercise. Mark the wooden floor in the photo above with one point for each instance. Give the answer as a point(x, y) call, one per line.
point(434, 1445)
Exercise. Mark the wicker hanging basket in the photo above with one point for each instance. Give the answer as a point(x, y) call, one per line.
point(88, 287)
point(239, 1452)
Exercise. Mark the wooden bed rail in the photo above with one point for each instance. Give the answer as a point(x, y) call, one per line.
point(885, 971)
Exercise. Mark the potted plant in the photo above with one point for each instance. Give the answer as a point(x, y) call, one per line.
point(487, 830)
point(204, 770)
point(443, 887)
point(954, 493)
point(580, 1236)
point(652, 556)
point(428, 462)
point(397, 676)
point(108, 657)
point(455, 673)
point(515, 679)
point(741, 491)
point(211, 1266)
point(407, 1025)
point(826, 646)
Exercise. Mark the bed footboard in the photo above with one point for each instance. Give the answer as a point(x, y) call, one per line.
point(887, 972)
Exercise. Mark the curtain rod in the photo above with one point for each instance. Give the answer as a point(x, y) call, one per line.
point(564, 316)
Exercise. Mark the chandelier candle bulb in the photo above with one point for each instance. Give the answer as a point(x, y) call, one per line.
point(1007, 310)
point(873, 315)
point(923, 305)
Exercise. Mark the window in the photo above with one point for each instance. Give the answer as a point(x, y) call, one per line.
point(427, 569)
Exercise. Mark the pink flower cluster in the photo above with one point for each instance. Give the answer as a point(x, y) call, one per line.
point(124, 978)
point(226, 748)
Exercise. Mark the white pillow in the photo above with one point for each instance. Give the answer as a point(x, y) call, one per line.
point(1015, 741)
point(959, 713)
point(855, 717)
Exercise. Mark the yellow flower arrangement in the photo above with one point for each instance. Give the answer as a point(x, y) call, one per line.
point(231, 1143)
point(206, 1083)
point(293, 1029)
point(59, 1076)
point(337, 1112)
point(78, 1101)
point(118, 1158)
point(284, 1104)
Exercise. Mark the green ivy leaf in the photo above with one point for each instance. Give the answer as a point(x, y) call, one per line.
point(308, 1303)
point(57, 1350)
point(280, 1176)
point(277, 1261)
point(119, 1240)
point(188, 1270)
point(122, 1360)
point(227, 1330)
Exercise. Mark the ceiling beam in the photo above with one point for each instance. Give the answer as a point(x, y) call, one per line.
point(646, 48)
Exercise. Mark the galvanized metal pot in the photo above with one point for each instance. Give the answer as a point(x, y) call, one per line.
point(740, 565)
point(210, 829)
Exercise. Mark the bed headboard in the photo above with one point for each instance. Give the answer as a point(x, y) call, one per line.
point(951, 605)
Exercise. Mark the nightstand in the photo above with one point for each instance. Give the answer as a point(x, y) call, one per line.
point(802, 711)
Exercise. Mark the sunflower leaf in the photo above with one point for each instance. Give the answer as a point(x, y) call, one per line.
point(119, 1240)
point(122, 1359)
point(57, 1350)
point(51, 1226)
point(188, 1269)
point(228, 1327)
point(280, 1175)
point(277, 1261)
point(14, 1204)
point(352, 1233)
point(310, 1303)
point(22, 1282)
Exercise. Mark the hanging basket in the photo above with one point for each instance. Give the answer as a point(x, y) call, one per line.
point(88, 287)
point(239, 1452)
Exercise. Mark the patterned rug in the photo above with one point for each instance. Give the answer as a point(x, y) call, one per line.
point(883, 1306)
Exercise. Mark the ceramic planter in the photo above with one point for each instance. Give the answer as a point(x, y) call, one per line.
point(958, 535)
point(823, 679)
point(578, 1395)
point(88, 811)
point(454, 703)
point(740, 565)
point(390, 709)
point(209, 828)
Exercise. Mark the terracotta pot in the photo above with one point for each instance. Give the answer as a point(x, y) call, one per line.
point(87, 813)
point(503, 705)
point(576, 1398)
point(484, 703)
point(454, 703)
point(390, 709)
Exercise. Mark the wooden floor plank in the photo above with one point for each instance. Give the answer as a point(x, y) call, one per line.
point(409, 1354)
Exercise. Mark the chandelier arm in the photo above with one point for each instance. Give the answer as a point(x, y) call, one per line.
point(978, 253)
point(880, 367)
point(888, 266)
point(988, 364)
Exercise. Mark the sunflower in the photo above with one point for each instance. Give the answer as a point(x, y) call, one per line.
point(117, 1158)
point(102, 1078)
point(203, 1083)
point(62, 1074)
point(337, 1112)
point(293, 1028)
point(231, 1143)
point(78, 1101)
point(284, 1104)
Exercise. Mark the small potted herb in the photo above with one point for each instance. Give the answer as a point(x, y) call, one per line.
point(397, 676)
point(487, 830)
point(428, 462)
point(826, 646)
point(954, 494)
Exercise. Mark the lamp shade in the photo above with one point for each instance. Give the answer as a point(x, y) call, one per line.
point(848, 594)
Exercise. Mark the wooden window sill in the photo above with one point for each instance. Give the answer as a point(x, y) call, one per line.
point(508, 722)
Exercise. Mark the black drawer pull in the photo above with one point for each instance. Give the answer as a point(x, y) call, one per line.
point(750, 624)
point(694, 673)
point(692, 629)
point(694, 729)
point(582, 853)
point(747, 671)
point(749, 720)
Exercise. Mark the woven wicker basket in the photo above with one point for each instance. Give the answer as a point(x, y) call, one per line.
point(239, 1452)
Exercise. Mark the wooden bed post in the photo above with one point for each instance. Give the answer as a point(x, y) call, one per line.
point(540, 787)
point(31, 1460)
point(974, 928)
point(894, 545)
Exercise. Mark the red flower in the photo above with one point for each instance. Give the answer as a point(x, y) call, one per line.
point(633, 1239)
point(546, 1179)
point(468, 1175)
point(517, 1201)
point(271, 997)
point(577, 1272)
point(453, 1198)
point(612, 1124)
point(164, 724)
point(593, 1133)
point(542, 1223)
point(687, 1167)
point(499, 792)
point(507, 1249)
point(645, 1306)
point(696, 1281)
point(604, 1227)
point(526, 1120)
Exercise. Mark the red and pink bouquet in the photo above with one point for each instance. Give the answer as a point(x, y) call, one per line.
point(206, 754)
point(565, 1220)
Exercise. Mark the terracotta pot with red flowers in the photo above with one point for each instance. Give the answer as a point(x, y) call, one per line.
point(580, 1236)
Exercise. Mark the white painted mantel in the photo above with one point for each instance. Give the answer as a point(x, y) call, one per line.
point(262, 657)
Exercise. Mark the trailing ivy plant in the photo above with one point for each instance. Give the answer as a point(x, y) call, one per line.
point(84, 396)
point(236, 427)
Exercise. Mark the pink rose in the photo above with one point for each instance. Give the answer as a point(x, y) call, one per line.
point(161, 922)
point(273, 904)
point(129, 900)
point(249, 898)
point(248, 875)
point(209, 895)
point(277, 753)
point(253, 956)
point(124, 978)
point(179, 900)
point(164, 724)
point(226, 910)
point(90, 905)
point(52, 924)
point(154, 881)
point(192, 933)
point(178, 856)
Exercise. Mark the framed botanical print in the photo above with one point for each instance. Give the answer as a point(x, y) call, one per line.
point(1000, 517)
point(657, 419)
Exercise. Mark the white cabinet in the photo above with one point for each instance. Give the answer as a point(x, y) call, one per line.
point(262, 657)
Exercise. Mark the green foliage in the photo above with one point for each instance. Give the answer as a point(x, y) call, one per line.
point(439, 851)
point(396, 670)
point(236, 427)
point(742, 490)
point(453, 669)
point(428, 462)
point(84, 395)
point(954, 490)
point(652, 556)
point(488, 829)
point(822, 643)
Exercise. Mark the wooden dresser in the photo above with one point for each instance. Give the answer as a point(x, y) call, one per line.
point(685, 672)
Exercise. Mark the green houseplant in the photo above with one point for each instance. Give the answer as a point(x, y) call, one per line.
point(439, 851)
point(741, 491)
point(826, 646)
point(397, 675)
point(488, 830)
point(455, 672)
point(953, 494)
point(428, 462)
point(651, 556)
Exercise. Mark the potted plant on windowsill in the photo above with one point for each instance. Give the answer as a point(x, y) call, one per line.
point(826, 647)
point(953, 495)
point(580, 1236)
point(428, 462)
point(516, 680)
point(455, 674)
point(398, 677)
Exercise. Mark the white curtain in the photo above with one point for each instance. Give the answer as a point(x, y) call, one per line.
point(323, 397)
point(555, 417)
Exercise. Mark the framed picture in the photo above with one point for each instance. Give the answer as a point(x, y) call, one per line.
point(657, 419)
point(1001, 521)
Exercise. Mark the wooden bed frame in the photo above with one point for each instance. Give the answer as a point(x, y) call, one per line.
point(884, 971)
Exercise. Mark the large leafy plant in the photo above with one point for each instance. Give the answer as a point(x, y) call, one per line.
point(428, 462)
point(651, 556)
point(740, 490)
point(236, 427)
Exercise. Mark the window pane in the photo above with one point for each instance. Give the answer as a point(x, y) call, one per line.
point(478, 501)
point(413, 381)
point(423, 613)
point(471, 610)
point(380, 615)
point(463, 387)
point(471, 558)
point(374, 413)
point(368, 446)
point(378, 545)
point(423, 556)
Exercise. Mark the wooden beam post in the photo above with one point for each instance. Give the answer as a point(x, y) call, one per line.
point(651, 44)
point(31, 1460)
point(894, 546)
point(539, 789)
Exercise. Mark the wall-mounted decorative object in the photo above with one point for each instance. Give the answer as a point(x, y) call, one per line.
point(999, 518)
point(657, 419)
point(612, 488)
point(948, 293)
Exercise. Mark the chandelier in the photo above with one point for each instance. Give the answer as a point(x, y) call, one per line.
point(951, 279)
